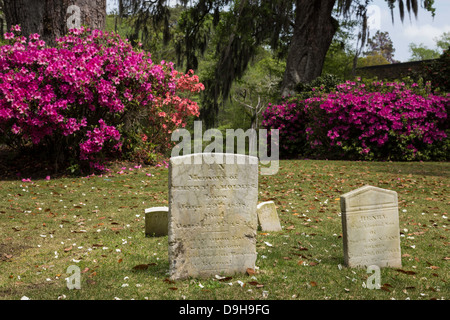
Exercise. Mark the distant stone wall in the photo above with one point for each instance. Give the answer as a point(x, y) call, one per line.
point(392, 71)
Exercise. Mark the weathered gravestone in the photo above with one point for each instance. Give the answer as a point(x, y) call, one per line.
point(370, 226)
point(268, 217)
point(212, 214)
point(156, 221)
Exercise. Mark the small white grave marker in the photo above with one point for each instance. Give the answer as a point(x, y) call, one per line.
point(268, 217)
point(370, 224)
point(156, 221)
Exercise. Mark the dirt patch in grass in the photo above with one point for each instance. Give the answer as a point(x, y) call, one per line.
point(21, 288)
point(9, 251)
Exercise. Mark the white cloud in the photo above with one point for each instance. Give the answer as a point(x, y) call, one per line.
point(422, 29)
point(424, 33)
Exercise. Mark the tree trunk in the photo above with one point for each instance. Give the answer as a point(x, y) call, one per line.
point(27, 13)
point(313, 32)
point(49, 17)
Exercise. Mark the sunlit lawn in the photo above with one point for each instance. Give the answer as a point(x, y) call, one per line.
point(97, 224)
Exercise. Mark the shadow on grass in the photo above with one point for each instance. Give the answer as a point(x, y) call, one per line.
point(159, 269)
point(16, 166)
point(333, 261)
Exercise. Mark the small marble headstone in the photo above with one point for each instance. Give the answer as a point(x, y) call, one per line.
point(156, 221)
point(370, 224)
point(212, 214)
point(268, 217)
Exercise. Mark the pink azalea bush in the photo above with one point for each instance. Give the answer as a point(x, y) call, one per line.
point(82, 99)
point(389, 121)
point(169, 113)
point(173, 110)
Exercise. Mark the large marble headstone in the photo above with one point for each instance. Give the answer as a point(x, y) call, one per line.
point(370, 224)
point(212, 214)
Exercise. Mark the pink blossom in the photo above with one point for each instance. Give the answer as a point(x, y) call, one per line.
point(8, 36)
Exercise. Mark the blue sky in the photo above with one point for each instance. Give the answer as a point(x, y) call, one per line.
point(421, 30)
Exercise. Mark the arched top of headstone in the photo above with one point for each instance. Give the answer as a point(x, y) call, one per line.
point(156, 209)
point(368, 197)
point(217, 158)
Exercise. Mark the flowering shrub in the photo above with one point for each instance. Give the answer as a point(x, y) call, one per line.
point(82, 99)
point(363, 121)
point(173, 109)
point(289, 118)
point(169, 113)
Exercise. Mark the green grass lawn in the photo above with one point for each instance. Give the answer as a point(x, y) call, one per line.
point(97, 224)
